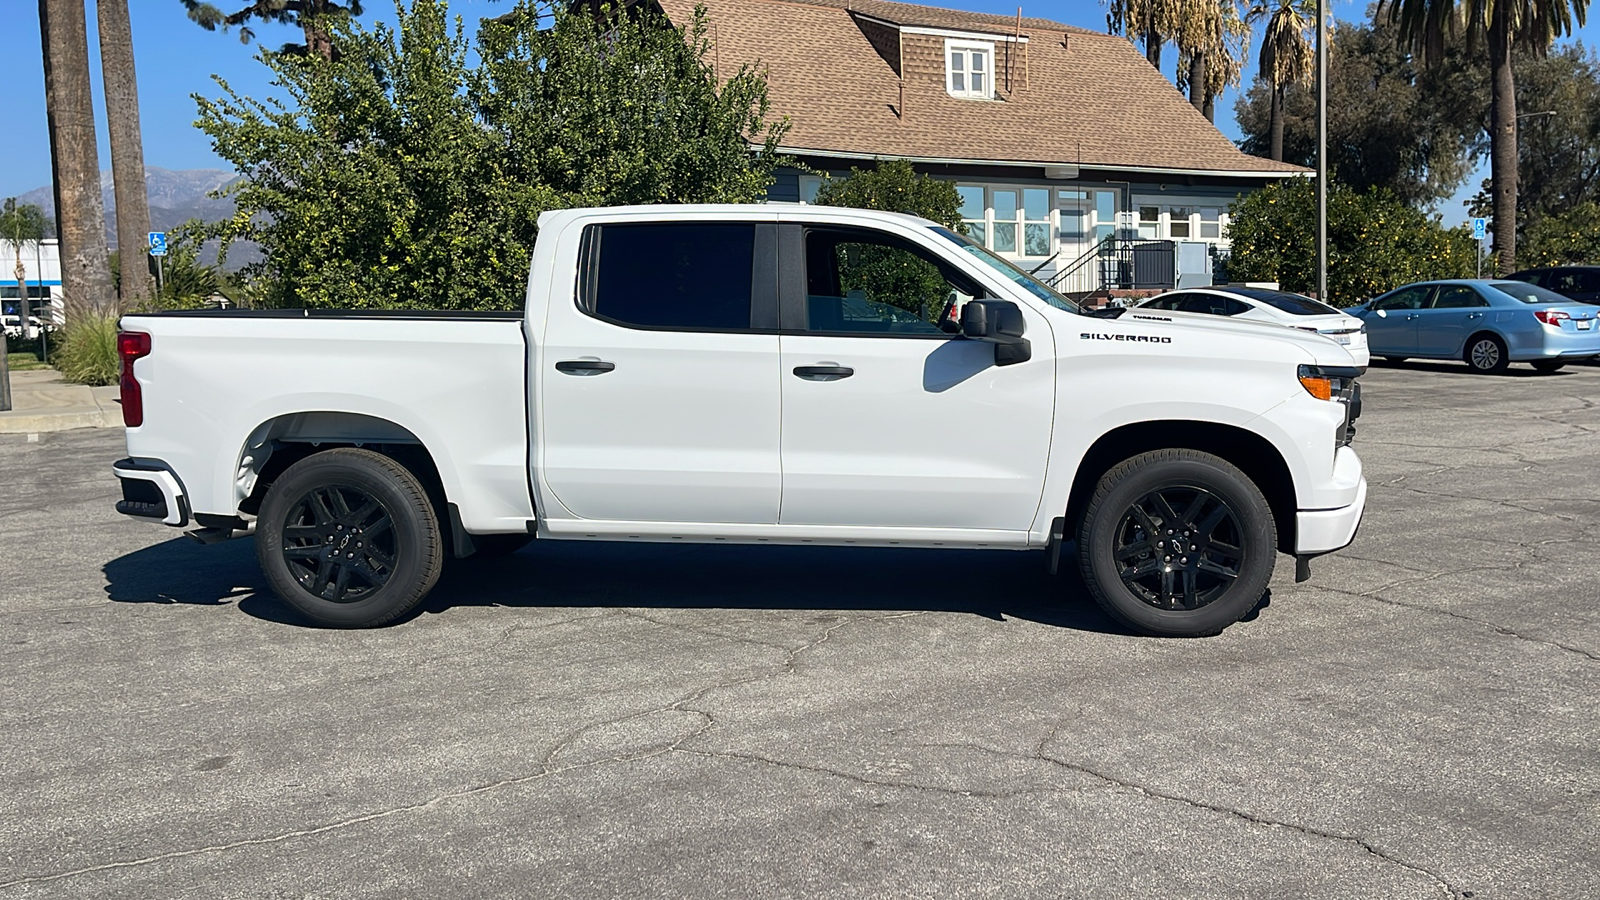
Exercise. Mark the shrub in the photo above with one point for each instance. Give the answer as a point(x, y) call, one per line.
point(1571, 237)
point(895, 187)
point(1375, 242)
point(88, 351)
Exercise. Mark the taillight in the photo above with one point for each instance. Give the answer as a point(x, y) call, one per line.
point(1551, 317)
point(132, 345)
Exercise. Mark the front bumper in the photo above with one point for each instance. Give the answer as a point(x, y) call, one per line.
point(1320, 531)
point(150, 490)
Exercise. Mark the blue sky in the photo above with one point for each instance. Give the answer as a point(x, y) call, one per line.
point(176, 59)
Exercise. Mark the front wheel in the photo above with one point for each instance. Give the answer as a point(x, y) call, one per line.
point(1177, 543)
point(1548, 365)
point(349, 538)
point(1486, 354)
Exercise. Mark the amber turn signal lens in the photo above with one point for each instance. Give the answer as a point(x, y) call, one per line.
point(1317, 386)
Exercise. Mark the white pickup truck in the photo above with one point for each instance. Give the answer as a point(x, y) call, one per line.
point(773, 373)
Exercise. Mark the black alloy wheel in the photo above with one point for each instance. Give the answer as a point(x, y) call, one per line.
point(1179, 547)
point(339, 543)
point(1177, 543)
point(349, 537)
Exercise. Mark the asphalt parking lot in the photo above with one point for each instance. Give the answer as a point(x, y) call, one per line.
point(1422, 719)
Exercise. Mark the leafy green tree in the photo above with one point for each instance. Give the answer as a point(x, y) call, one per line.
point(606, 108)
point(1375, 242)
point(1391, 123)
point(886, 273)
point(397, 175)
point(24, 222)
point(1501, 26)
point(1571, 236)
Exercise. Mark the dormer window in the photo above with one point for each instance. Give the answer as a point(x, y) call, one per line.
point(968, 69)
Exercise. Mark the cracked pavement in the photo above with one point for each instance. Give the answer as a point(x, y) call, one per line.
point(1421, 719)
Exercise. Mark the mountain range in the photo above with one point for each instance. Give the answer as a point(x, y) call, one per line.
point(176, 196)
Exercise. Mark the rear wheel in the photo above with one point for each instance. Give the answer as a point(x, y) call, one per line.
point(1548, 365)
point(1486, 354)
point(349, 538)
point(1177, 543)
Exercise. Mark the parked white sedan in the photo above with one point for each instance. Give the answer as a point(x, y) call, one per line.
point(1264, 305)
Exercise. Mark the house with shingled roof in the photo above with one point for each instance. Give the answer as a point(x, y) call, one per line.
point(1055, 136)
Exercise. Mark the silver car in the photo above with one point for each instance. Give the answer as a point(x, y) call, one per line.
point(1486, 323)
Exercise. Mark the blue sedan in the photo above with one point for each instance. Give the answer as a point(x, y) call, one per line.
point(1485, 323)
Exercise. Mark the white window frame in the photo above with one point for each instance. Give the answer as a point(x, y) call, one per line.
point(1052, 220)
point(966, 49)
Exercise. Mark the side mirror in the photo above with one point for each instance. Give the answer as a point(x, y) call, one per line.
point(1000, 323)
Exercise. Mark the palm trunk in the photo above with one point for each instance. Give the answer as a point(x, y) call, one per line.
point(1275, 128)
point(1197, 82)
point(127, 150)
point(1152, 49)
point(1502, 140)
point(319, 41)
point(69, 107)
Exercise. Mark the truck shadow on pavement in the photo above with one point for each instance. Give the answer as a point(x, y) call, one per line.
point(577, 574)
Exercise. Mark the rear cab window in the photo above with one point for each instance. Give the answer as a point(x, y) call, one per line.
point(679, 276)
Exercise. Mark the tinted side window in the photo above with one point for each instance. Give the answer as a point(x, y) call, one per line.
point(860, 282)
point(1168, 302)
point(1213, 304)
point(1405, 298)
point(673, 275)
point(1458, 296)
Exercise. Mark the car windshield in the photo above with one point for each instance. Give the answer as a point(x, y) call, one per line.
point(1010, 271)
point(1528, 293)
point(1293, 304)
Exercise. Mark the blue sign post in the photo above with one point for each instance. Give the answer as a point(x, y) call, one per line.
point(158, 249)
point(1480, 230)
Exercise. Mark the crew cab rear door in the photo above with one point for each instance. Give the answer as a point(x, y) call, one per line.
point(659, 392)
point(887, 419)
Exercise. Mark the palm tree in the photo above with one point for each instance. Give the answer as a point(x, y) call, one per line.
point(1533, 25)
point(127, 150)
point(1287, 55)
point(69, 107)
point(1212, 42)
point(312, 16)
point(1152, 21)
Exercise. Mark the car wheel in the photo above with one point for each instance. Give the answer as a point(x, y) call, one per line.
point(1486, 354)
point(1548, 365)
point(349, 538)
point(1177, 543)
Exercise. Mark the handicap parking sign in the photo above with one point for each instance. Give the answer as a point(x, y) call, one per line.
point(158, 243)
point(1480, 228)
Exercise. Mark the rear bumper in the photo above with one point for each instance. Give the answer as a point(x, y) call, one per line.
point(1320, 531)
point(151, 490)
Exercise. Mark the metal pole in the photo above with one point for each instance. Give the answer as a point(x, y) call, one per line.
point(1322, 153)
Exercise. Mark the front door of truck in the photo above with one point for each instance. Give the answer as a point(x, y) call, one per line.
point(658, 386)
point(888, 420)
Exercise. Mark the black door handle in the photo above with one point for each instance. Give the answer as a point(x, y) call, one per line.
point(584, 366)
point(824, 373)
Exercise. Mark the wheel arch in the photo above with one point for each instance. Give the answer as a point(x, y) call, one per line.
point(1253, 454)
point(281, 441)
point(1505, 341)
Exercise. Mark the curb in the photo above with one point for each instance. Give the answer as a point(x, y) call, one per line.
point(35, 423)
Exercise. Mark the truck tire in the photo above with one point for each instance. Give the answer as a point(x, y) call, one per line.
point(1177, 543)
point(349, 538)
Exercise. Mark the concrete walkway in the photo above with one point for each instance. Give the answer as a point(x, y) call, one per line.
point(42, 401)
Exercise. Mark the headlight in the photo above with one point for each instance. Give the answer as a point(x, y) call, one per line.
point(1328, 382)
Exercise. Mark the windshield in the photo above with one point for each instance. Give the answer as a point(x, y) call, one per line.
point(1010, 272)
point(1529, 293)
